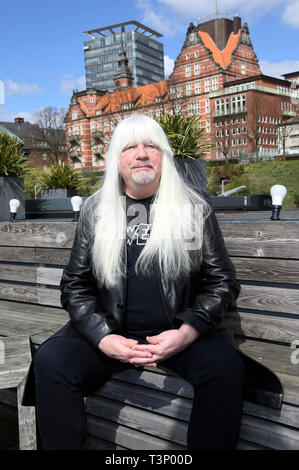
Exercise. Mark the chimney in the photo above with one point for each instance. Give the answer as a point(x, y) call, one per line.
point(237, 24)
point(19, 120)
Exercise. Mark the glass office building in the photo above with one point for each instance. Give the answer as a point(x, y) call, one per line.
point(144, 52)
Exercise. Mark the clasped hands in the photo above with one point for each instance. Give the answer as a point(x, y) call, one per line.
point(159, 347)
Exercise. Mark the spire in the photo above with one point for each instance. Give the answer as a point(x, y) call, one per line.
point(123, 77)
point(245, 38)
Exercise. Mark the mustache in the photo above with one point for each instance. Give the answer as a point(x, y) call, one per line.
point(137, 165)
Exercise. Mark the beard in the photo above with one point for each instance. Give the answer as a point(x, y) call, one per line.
point(143, 176)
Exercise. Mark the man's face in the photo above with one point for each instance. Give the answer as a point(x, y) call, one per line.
point(141, 164)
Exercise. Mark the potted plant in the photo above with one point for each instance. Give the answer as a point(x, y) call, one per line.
point(190, 145)
point(12, 169)
point(59, 180)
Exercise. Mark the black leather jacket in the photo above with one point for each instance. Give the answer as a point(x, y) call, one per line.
point(203, 300)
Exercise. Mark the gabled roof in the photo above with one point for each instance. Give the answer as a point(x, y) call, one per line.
point(224, 57)
point(142, 96)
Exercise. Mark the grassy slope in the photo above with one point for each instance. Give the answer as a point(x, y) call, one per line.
point(259, 177)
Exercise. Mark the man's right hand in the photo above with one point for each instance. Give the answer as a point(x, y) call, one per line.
point(120, 348)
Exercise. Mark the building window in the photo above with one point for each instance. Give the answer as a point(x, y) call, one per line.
point(188, 70)
point(234, 142)
point(207, 106)
point(214, 83)
point(208, 125)
point(243, 69)
point(178, 109)
point(207, 85)
point(196, 54)
point(179, 91)
point(197, 87)
point(74, 116)
point(188, 89)
point(194, 108)
point(197, 68)
point(172, 92)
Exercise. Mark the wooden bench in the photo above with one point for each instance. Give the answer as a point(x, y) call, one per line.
point(147, 409)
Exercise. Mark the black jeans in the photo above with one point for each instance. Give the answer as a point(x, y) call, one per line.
point(68, 368)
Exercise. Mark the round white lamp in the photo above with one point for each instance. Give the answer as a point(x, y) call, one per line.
point(76, 204)
point(278, 192)
point(14, 205)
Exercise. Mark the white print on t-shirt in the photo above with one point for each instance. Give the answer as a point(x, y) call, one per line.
point(138, 232)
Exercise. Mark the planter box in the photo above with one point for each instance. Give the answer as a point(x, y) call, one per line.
point(11, 188)
point(58, 193)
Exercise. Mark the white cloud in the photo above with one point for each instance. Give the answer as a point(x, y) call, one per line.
point(277, 69)
point(70, 83)
point(291, 13)
point(200, 8)
point(157, 20)
point(12, 88)
point(168, 65)
point(8, 116)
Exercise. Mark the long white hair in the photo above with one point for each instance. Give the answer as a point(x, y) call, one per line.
point(177, 212)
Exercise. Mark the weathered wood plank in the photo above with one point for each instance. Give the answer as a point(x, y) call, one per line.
point(15, 292)
point(30, 308)
point(50, 276)
point(93, 443)
point(261, 230)
point(49, 297)
point(273, 299)
point(265, 327)
point(58, 256)
point(276, 436)
point(42, 234)
point(163, 403)
point(138, 419)
point(126, 437)
point(20, 254)
point(10, 272)
point(274, 270)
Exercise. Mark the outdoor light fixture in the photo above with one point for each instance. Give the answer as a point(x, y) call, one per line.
point(14, 205)
point(76, 204)
point(278, 192)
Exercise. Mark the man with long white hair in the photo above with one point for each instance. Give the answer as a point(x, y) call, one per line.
point(149, 283)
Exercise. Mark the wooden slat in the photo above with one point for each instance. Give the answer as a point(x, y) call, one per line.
point(280, 329)
point(260, 269)
point(57, 256)
point(50, 276)
point(30, 309)
point(126, 437)
point(20, 254)
point(272, 299)
point(138, 419)
point(261, 230)
point(22, 273)
point(276, 436)
point(21, 293)
point(42, 234)
point(169, 405)
point(49, 297)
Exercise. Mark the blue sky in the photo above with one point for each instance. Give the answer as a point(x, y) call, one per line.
point(42, 57)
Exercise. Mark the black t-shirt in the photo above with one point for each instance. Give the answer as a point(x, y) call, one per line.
point(145, 311)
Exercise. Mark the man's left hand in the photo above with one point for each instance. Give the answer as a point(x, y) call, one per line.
point(166, 344)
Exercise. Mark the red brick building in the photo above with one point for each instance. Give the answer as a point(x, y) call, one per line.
point(216, 76)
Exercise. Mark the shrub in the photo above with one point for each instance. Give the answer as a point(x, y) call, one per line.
point(60, 177)
point(12, 161)
point(229, 170)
